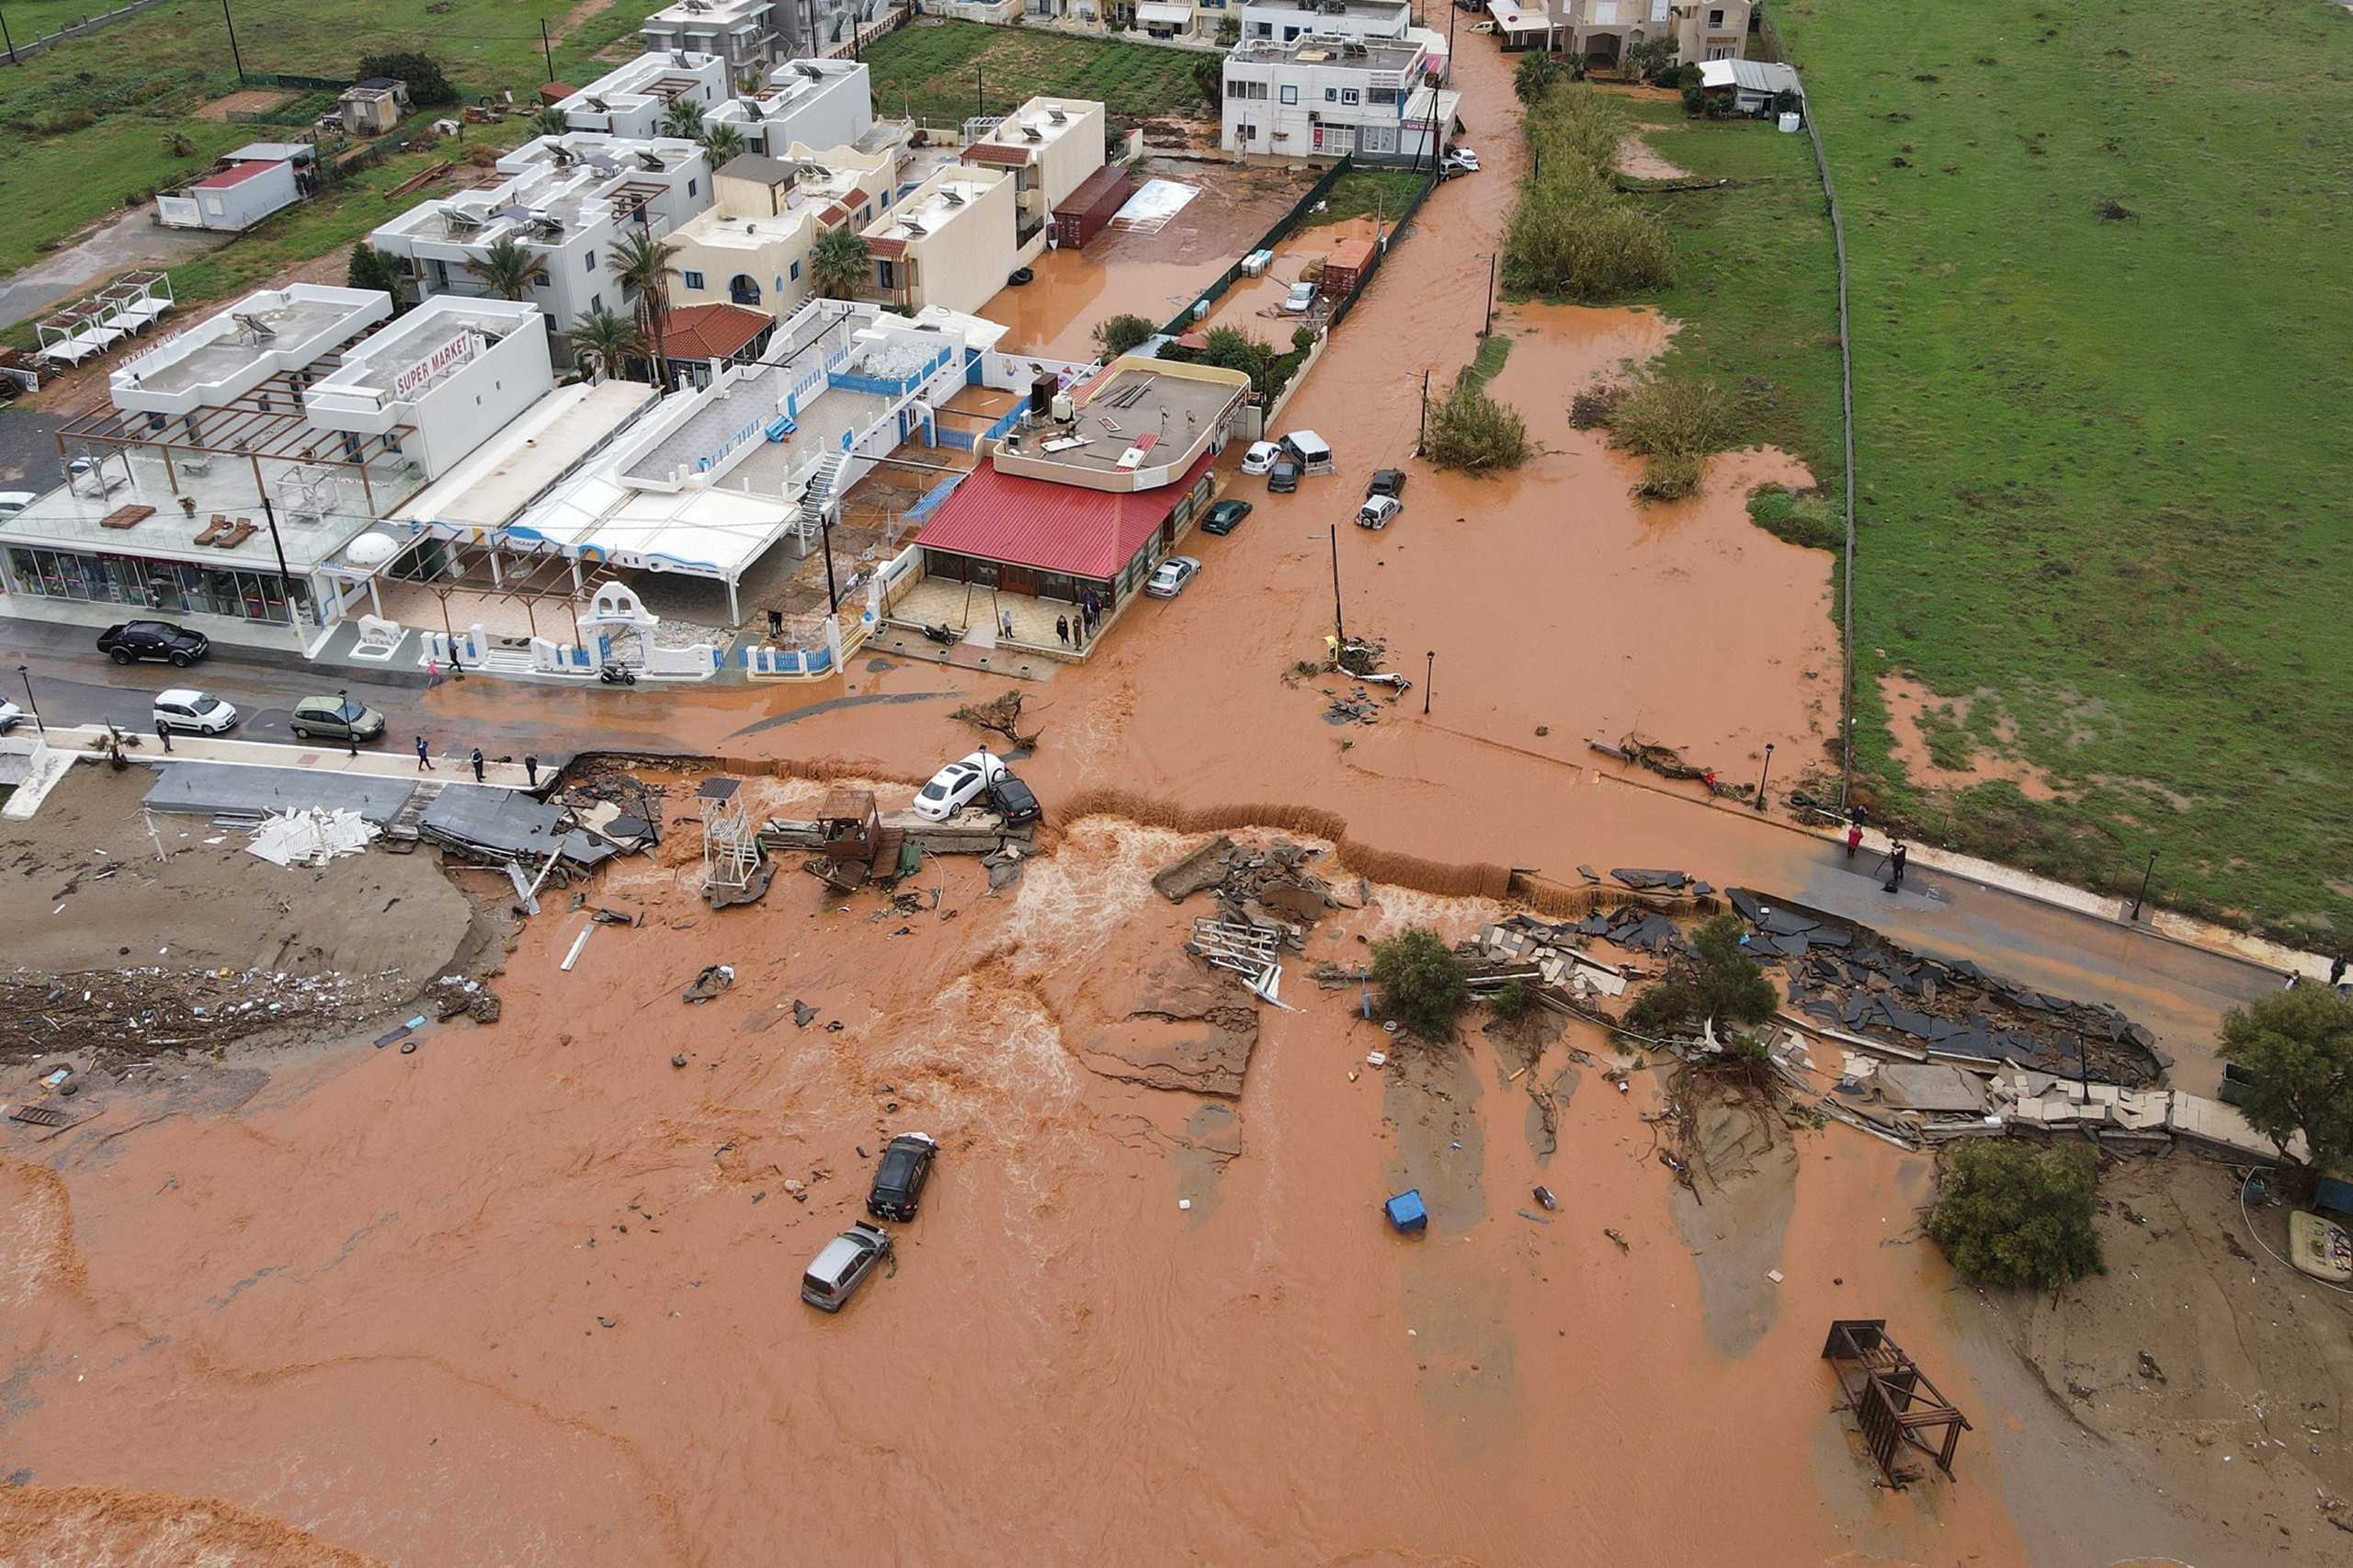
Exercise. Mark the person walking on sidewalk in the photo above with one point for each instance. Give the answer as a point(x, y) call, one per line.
point(1062, 629)
point(476, 760)
point(432, 672)
point(424, 763)
point(1854, 838)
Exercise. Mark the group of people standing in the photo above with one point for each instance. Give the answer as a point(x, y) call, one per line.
point(1073, 630)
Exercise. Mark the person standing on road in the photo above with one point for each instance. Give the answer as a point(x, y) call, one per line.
point(424, 763)
point(476, 760)
point(1854, 838)
point(1895, 858)
point(532, 770)
point(432, 672)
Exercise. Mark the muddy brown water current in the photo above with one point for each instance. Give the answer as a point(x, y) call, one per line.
point(528, 1295)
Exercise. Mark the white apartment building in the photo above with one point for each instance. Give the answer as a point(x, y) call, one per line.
point(949, 242)
point(752, 248)
point(1048, 147)
point(741, 33)
point(568, 200)
point(1322, 98)
point(239, 458)
point(1602, 31)
point(1288, 21)
point(821, 103)
point(631, 100)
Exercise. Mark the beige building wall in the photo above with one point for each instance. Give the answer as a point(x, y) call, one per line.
point(966, 248)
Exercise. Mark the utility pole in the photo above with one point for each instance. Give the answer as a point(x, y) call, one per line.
point(1430, 676)
point(5, 33)
point(1422, 437)
point(1761, 775)
point(980, 93)
point(1489, 329)
point(233, 52)
point(2146, 872)
point(547, 47)
point(26, 676)
point(269, 514)
point(1339, 626)
point(826, 527)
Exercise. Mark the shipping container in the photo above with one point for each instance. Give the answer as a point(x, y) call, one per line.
point(1084, 211)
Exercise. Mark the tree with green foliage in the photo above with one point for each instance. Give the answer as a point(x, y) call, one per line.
point(1573, 233)
point(1534, 77)
point(1122, 334)
point(428, 83)
point(2297, 1048)
point(641, 263)
point(373, 268)
point(1302, 337)
point(838, 262)
point(1229, 31)
point(507, 268)
point(1209, 76)
point(721, 142)
point(605, 341)
point(1472, 432)
point(1716, 979)
point(682, 118)
point(548, 121)
point(1648, 59)
point(1230, 348)
point(2011, 1215)
point(1695, 98)
point(1509, 1001)
point(1422, 982)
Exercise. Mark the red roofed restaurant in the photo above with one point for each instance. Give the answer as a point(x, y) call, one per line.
point(1075, 504)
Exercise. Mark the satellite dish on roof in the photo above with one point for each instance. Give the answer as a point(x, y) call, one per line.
point(371, 550)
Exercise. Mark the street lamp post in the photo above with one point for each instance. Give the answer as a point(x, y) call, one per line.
point(1761, 774)
point(1429, 668)
point(1488, 330)
point(2137, 897)
point(27, 675)
point(350, 729)
point(1339, 625)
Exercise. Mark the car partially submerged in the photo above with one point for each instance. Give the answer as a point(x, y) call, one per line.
point(1379, 511)
point(955, 786)
point(1260, 457)
point(1225, 516)
point(1173, 574)
point(1386, 482)
point(833, 1276)
point(1015, 802)
point(899, 1179)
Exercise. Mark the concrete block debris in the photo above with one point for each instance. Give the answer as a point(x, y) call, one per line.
point(310, 836)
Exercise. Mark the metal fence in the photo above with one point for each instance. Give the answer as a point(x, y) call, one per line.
point(1275, 235)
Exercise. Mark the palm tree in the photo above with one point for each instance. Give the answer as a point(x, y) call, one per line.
point(642, 263)
point(721, 141)
point(612, 339)
point(508, 268)
point(549, 121)
point(838, 262)
point(682, 118)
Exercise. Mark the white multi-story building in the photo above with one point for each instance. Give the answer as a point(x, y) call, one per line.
point(751, 35)
point(1322, 98)
point(949, 242)
point(1602, 32)
point(633, 99)
point(752, 248)
point(1048, 147)
point(819, 103)
point(1288, 21)
point(566, 200)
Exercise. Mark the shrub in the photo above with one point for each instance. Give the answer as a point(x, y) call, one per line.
point(2010, 1215)
point(1799, 521)
point(2297, 1047)
point(1670, 477)
point(1572, 235)
point(428, 82)
point(1302, 338)
point(1421, 982)
point(1122, 334)
point(1674, 425)
point(373, 268)
point(1230, 348)
point(1716, 979)
point(1472, 432)
point(1534, 77)
point(1509, 1001)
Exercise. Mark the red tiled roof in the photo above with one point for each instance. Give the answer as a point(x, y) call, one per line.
point(887, 248)
point(235, 174)
point(711, 332)
point(1054, 528)
point(995, 153)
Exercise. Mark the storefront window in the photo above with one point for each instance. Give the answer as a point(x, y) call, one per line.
point(163, 586)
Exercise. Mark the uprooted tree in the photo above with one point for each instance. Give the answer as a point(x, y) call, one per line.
point(1001, 715)
point(2018, 1217)
point(1715, 981)
point(2297, 1048)
point(1422, 983)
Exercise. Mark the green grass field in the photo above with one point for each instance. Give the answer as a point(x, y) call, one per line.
point(946, 72)
point(87, 122)
point(2104, 354)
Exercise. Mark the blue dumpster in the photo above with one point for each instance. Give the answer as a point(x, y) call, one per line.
point(1405, 1212)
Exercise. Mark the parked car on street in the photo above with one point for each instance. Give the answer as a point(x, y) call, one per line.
point(1313, 452)
point(1014, 800)
point(1379, 511)
point(842, 1266)
point(1459, 161)
point(15, 501)
point(132, 641)
point(1260, 457)
point(183, 709)
point(1170, 579)
point(1386, 482)
point(1225, 516)
point(955, 786)
point(333, 719)
point(1301, 300)
point(898, 1180)
point(1283, 478)
point(10, 717)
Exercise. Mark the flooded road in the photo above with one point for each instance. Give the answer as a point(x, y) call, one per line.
point(530, 1294)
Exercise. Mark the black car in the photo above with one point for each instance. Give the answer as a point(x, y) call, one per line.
point(1284, 476)
point(1012, 799)
point(1389, 481)
point(1225, 516)
point(1021, 275)
point(898, 1180)
point(136, 640)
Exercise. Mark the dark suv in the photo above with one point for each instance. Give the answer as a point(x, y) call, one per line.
point(898, 1180)
point(136, 640)
point(1014, 800)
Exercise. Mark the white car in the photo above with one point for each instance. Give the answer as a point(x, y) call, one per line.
point(957, 785)
point(1462, 161)
point(1173, 573)
point(1301, 300)
point(1260, 457)
point(15, 501)
point(185, 711)
point(10, 717)
point(1379, 511)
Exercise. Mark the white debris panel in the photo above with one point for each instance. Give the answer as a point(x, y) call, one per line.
point(312, 837)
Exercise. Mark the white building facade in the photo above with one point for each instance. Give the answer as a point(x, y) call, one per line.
point(633, 99)
point(1288, 21)
point(1326, 98)
point(950, 242)
point(819, 103)
point(1048, 147)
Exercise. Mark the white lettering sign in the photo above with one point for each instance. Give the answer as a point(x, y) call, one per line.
point(458, 351)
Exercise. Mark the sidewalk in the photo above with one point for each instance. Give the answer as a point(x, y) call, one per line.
point(77, 635)
point(91, 740)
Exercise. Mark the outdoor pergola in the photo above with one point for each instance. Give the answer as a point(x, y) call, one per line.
point(1893, 1401)
point(528, 572)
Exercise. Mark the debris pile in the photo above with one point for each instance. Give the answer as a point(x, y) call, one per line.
point(1852, 979)
point(1001, 715)
point(583, 827)
point(122, 1012)
point(311, 837)
point(1665, 761)
point(1270, 887)
point(1545, 958)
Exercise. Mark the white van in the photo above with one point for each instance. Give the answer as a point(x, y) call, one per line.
point(1313, 452)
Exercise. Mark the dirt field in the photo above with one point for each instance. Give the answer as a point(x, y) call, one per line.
point(253, 100)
